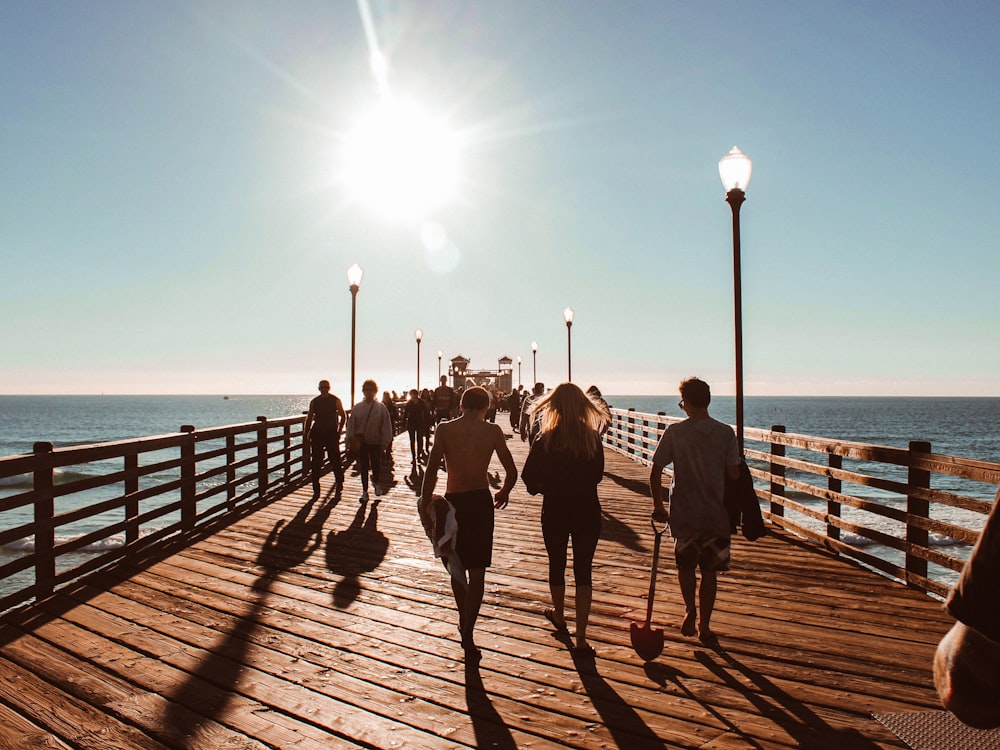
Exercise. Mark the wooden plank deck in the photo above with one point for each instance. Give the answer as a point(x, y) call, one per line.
point(328, 625)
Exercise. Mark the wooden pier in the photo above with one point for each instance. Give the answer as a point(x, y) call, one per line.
point(325, 624)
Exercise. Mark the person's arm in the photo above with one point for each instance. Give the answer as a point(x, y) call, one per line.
point(306, 425)
point(660, 512)
point(341, 416)
point(510, 477)
point(967, 676)
point(434, 462)
point(532, 470)
point(385, 426)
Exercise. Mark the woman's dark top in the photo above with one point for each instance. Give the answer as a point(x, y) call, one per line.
point(566, 482)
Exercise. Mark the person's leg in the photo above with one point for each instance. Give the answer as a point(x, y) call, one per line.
point(473, 601)
point(333, 451)
point(316, 459)
point(413, 446)
point(364, 458)
point(688, 582)
point(706, 599)
point(376, 464)
point(584, 594)
point(555, 534)
point(586, 534)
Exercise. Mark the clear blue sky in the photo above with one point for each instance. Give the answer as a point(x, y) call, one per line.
point(173, 220)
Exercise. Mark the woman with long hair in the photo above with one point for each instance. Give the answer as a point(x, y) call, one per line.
point(565, 464)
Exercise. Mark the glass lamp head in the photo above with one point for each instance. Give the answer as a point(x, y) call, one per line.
point(354, 275)
point(735, 169)
point(418, 334)
point(568, 314)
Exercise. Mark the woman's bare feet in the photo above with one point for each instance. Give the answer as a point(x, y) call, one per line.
point(687, 627)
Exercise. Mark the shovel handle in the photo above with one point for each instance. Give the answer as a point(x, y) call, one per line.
point(658, 531)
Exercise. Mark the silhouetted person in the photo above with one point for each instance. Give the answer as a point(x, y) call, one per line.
point(967, 662)
point(565, 464)
point(704, 453)
point(528, 425)
point(323, 427)
point(371, 421)
point(418, 421)
point(468, 444)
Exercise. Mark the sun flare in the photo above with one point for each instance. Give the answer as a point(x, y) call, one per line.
point(400, 161)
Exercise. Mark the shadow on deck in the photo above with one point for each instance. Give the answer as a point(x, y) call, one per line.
point(326, 623)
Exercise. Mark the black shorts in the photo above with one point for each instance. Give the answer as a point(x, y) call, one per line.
point(702, 552)
point(474, 518)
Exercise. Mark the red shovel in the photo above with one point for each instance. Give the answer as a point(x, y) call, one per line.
point(648, 642)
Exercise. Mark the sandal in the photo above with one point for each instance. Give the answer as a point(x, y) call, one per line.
point(550, 615)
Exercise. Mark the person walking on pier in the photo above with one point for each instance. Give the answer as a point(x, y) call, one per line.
point(704, 453)
point(417, 424)
point(967, 660)
point(444, 401)
point(369, 428)
point(528, 424)
point(468, 444)
point(322, 429)
point(565, 464)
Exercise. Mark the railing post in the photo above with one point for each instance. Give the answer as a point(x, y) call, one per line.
point(262, 456)
point(630, 430)
point(287, 434)
point(661, 425)
point(230, 470)
point(919, 508)
point(188, 507)
point(131, 504)
point(45, 533)
point(777, 471)
point(834, 461)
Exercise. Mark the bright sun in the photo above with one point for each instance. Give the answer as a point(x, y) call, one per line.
point(401, 162)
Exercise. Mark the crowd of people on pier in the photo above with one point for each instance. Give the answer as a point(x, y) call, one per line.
point(456, 430)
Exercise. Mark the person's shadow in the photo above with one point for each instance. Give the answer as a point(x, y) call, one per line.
point(487, 725)
point(210, 686)
point(360, 548)
point(774, 704)
point(627, 728)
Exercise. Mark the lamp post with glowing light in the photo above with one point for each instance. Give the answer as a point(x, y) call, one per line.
point(418, 335)
point(568, 314)
point(518, 370)
point(534, 362)
point(440, 354)
point(735, 169)
point(354, 276)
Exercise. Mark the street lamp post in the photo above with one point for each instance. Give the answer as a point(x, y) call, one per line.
point(735, 169)
point(440, 354)
point(518, 370)
point(354, 276)
point(418, 334)
point(568, 314)
point(534, 362)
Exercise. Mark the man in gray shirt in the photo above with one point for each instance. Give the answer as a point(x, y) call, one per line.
point(704, 453)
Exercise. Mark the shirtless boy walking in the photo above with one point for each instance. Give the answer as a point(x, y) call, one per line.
point(467, 444)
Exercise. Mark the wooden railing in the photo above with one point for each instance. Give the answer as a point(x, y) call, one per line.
point(85, 507)
point(906, 512)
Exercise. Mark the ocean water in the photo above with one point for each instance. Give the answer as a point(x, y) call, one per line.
point(966, 427)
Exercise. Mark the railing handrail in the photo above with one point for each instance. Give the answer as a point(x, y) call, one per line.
point(636, 434)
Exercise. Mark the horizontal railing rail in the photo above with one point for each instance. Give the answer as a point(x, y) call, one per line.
point(71, 510)
point(908, 513)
